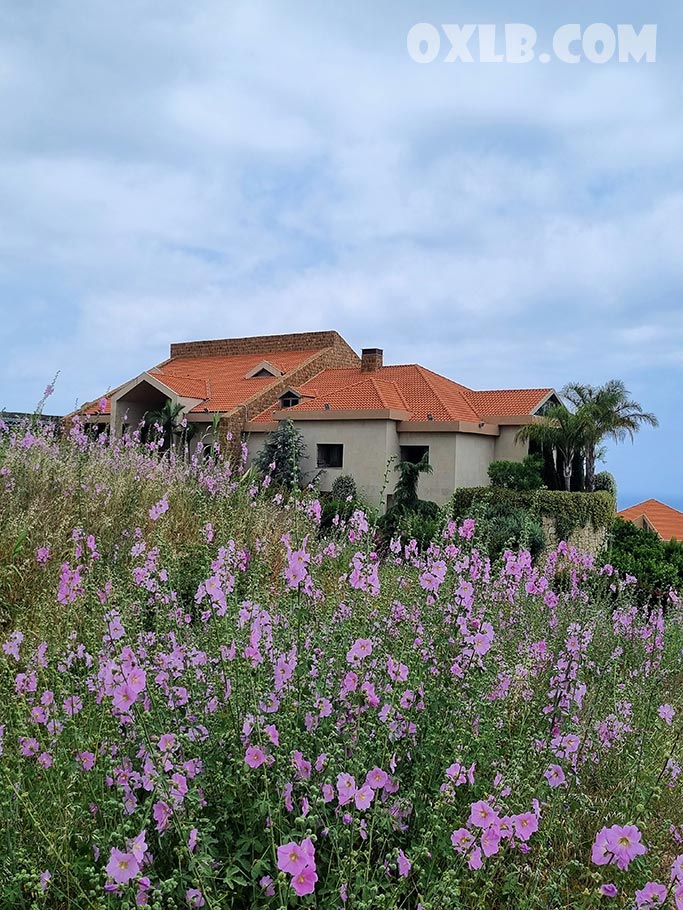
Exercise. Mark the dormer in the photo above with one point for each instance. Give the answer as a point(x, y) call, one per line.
point(264, 370)
point(289, 398)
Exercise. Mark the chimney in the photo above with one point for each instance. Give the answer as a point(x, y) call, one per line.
point(371, 360)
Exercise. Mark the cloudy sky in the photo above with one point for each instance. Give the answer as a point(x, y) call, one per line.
point(182, 170)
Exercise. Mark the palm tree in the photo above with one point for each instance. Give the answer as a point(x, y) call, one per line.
point(561, 431)
point(167, 419)
point(607, 411)
point(405, 494)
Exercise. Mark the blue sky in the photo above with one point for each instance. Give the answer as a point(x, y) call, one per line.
point(174, 170)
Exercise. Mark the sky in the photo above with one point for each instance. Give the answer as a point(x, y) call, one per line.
point(178, 171)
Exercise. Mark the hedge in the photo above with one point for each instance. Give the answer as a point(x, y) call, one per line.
point(569, 511)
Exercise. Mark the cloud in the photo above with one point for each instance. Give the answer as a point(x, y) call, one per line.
point(173, 170)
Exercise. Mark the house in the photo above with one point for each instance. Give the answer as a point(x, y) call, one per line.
point(354, 413)
point(655, 516)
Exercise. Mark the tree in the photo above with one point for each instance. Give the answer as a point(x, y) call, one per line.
point(606, 411)
point(517, 475)
point(559, 429)
point(166, 418)
point(405, 494)
point(283, 448)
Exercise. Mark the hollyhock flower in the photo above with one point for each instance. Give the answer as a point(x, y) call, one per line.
point(462, 840)
point(266, 882)
point(87, 760)
point(361, 648)
point(474, 860)
point(602, 852)
point(192, 840)
point(122, 867)
point(293, 857)
point(652, 895)
point(45, 878)
point(666, 712)
point(304, 882)
point(194, 897)
point(363, 797)
point(677, 869)
point(254, 757)
point(482, 815)
point(328, 793)
point(609, 890)
point(490, 840)
point(555, 776)
point(138, 847)
point(625, 844)
point(161, 813)
point(346, 788)
point(404, 864)
point(376, 778)
point(525, 825)
point(72, 705)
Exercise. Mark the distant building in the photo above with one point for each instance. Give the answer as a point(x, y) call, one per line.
point(656, 516)
point(353, 412)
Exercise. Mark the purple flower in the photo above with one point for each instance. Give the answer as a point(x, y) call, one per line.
point(652, 895)
point(609, 890)
point(122, 867)
point(254, 757)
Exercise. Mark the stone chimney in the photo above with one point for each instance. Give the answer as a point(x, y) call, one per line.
point(372, 359)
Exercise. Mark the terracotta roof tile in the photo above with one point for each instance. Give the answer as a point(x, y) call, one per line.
point(667, 522)
point(507, 402)
point(414, 388)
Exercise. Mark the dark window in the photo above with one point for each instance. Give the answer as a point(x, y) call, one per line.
point(330, 455)
point(414, 454)
point(289, 399)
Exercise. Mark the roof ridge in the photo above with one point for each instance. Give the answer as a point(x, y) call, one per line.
point(460, 388)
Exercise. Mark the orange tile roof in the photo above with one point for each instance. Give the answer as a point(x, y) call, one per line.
point(666, 521)
point(218, 380)
point(413, 388)
point(507, 402)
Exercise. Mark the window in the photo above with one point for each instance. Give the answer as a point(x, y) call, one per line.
point(330, 455)
point(262, 374)
point(414, 454)
point(289, 399)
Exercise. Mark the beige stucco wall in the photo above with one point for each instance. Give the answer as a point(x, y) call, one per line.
point(457, 459)
point(473, 455)
point(506, 449)
point(439, 485)
point(368, 446)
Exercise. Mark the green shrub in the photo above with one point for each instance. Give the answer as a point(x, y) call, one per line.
point(344, 488)
point(658, 565)
point(605, 481)
point(284, 448)
point(517, 475)
point(569, 511)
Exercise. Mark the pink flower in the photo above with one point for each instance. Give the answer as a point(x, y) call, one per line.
point(122, 867)
point(652, 895)
point(625, 844)
point(194, 897)
point(161, 812)
point(87, 760)
point(666, 712)
point(254, 757)
point(490, 840)
point(601, 854)
point(404, 864)
point(304, 882)
point(525, 824)
point(376, 778)
point(482, 815)
point(346, 788)
point(609, 890)
point(462, 840)
point(555, 776)
point(363, 797)
point(474, 860)
point(362, 647)
point(291, 858)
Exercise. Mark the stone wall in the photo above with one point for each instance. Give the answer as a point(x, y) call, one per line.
point(586, 539)
point(265, 344)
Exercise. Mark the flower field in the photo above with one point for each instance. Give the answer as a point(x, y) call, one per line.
point(206, 702)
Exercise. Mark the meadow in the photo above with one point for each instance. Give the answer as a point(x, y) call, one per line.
point(205, 701)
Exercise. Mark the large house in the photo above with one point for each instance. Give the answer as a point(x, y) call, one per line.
point(354, 413)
